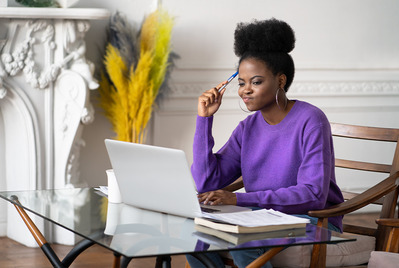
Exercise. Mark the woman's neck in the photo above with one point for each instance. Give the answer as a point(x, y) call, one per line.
point(277, 114)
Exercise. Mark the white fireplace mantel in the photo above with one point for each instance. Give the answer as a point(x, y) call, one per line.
point(45, 80)
point(54, 13)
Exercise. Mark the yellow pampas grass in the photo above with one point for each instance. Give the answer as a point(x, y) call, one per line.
point(128, 93)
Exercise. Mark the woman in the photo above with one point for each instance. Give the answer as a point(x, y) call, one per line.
point(283, 151)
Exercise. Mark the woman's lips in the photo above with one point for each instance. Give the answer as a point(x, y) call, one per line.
point(246, 100)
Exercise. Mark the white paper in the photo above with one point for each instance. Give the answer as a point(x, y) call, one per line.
point(254, 218)
point(103, 189)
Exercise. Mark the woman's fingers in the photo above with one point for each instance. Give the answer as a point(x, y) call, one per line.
point(206, 198)
point(213, 94)
point(220, 85)
point(209, 98)
point(209, 102)
point(218, 197)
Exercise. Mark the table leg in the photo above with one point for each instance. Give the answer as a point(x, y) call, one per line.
point(37, 235)
point(125, 261)
point(117, 261)
point(45, 246)
point(163, 262)
point(75, 252)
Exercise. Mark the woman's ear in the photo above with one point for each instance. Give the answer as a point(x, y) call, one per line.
point(282, 80)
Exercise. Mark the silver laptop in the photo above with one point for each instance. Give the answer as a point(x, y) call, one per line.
point(157, 178)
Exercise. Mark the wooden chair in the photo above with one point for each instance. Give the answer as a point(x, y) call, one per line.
point(384, 193)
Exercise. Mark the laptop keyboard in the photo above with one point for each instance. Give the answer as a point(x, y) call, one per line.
point(209, 210)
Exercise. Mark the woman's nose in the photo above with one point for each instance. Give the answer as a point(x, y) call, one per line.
point(247, 89)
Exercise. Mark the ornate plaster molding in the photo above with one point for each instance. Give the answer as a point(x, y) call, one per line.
point(346, 88)
point(313, 88)
point(21, 57)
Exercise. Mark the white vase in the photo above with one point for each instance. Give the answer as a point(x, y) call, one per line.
point(114, 195)
point(113, 213)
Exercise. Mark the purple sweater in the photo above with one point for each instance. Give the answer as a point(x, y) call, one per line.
point(288, 167)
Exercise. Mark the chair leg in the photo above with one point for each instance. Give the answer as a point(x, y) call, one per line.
point(265, 257)
point(319, 253)
point(318, 258)
point(393, 241)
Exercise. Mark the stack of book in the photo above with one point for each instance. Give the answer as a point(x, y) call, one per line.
point(241, 227)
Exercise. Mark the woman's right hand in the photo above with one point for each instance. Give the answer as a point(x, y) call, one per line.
point(210, 101)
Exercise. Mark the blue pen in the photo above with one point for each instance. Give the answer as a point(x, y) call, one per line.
point(228, 81)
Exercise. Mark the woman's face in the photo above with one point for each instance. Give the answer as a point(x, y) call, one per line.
point(257, 85)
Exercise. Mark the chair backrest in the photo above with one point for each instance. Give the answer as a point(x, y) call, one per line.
point(374, 134)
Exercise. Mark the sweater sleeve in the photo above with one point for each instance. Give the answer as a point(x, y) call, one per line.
point(313, 178)
point(213, 171)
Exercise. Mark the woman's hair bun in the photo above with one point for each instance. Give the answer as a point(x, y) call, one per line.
point(263, 36)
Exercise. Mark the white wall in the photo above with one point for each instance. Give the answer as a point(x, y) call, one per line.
point(346, 55)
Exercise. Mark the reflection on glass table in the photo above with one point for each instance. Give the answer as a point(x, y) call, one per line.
point(132, 232)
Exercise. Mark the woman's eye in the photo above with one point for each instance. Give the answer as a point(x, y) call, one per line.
point(257, 82)
point(241, 84)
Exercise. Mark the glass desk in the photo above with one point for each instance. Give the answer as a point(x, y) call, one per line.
point(131, 232)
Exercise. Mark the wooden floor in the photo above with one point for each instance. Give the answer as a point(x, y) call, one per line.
point(13, 254)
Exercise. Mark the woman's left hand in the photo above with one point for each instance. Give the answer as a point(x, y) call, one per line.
point(218, 197)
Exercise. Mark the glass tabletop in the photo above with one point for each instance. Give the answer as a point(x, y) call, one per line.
point(134, 232)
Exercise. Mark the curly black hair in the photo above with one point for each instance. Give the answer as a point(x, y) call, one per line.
point(269, 41)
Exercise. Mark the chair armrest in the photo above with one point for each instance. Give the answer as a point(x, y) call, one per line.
point(236, 185)
point(367, 197)
point(388, 222)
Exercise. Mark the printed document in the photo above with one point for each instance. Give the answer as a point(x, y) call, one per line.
point(261, 217)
